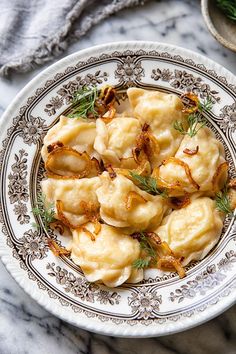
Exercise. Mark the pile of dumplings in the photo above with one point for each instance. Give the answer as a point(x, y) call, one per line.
point(106, 252)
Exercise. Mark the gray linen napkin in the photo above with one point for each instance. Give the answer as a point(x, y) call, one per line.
point(33, 32)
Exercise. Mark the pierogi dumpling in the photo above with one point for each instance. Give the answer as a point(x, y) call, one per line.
point(71, 192)
point(203, 165)
point(147, 210)
point(109, 257)
point(115, 140)
point(76, 133)
point(160, 111)
point(191, 232)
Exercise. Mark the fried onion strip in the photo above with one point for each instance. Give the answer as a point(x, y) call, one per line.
point(61, 216)
point(186, 168)
point(191, 152)
point(170, 262)
point(111, 171)
point(56, 249)
point(92, 214)
point(232, 183)
point(63, 151)
point(133, 196)
point(167, 258)
point(190, 102)
point(58, 226)
point(221, 169)
point(179, 202)
point(163, 184)
point(88, 233)
point(146, 146)
point(109, 115)
point(53, 146)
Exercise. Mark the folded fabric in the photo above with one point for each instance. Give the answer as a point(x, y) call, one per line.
point(33, 32)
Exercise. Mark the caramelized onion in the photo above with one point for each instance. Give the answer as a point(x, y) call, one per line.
point(166, 248)
point(133, 196)
point(220, 171)
point(190, 101)
point(111, 171)
point(87, 232)
point(191, 151)
point(92, 213)
point(61, 216)
point(232, 183)
point(53, 159)
point(154, 238)
point(128, 163)
point(232, 198)
point(109, 115)
point(147, 146)
point(143, 169)
point(105, 100)
point(54, 146)
point(162, 184)
point(108, 95)
point(167, 259)
point(56, 249)
point(170, 262)
point(186, 168)
point(179, 202)
point(95, 168)
point(58, 226)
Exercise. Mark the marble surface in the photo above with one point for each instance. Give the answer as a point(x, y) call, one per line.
point(27, 328)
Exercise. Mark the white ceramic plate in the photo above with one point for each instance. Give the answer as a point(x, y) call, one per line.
point(162, 303)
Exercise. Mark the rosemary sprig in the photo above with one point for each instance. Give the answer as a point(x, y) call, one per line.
point(195, 120)
point(223, 202)
point(148, 184)
point(47, 213)
point(84, 101)
point(228, 7)
point(149, 250)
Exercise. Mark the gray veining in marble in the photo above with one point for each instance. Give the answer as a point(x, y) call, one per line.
point(27, 328)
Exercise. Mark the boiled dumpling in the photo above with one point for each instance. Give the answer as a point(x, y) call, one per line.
point(145, 212)
point(73, 132)
point(203, 165)
point(107, 258)
point(71, 192)
point(191, 232)
point(159, 110)
point(114, 141)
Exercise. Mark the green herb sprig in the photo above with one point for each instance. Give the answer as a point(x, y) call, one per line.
point(84, 101)
point(149, 250)
point(228, 7)
point(195, 120)
point(47, 213)
point(223, 202)
point(141, 263)
point(206, 105)
point(148, 184)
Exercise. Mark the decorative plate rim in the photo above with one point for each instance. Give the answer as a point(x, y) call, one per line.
point(20, 276)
